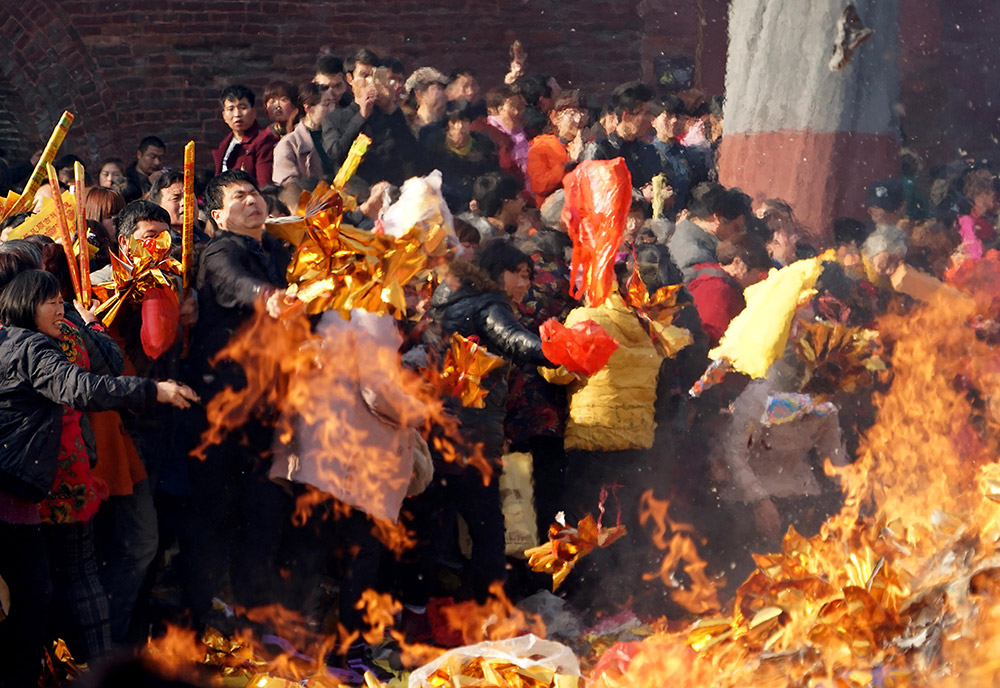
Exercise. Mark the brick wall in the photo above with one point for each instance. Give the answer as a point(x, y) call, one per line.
point(129, 68)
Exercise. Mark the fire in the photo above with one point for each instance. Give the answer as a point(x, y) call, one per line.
point(899, 588)
point(496, 619)
point(298, 381)
point(702, 595)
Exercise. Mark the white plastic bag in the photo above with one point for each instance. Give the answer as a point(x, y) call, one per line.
point(525, 651)
point(420, 205)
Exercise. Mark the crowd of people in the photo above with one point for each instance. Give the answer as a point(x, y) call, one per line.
point(101, 500)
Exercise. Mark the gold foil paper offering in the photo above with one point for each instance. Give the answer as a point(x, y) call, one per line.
point(146, 265)
point(567, 545)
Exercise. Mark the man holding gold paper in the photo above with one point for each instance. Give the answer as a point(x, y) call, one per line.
point(235, 510)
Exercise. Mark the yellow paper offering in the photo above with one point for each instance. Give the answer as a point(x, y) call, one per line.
point(45, 220)
point(757, 337)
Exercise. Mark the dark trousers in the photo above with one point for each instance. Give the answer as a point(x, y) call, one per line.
point(80, 611)
point(24, 567)
point(127, 538)
point(608, 578)
point(453, 494)
point(235, 523)
point(548, 472)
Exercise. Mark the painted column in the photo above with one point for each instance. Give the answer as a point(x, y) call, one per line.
point(796, 130)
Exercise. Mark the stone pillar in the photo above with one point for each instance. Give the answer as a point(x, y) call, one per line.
point(798, 131)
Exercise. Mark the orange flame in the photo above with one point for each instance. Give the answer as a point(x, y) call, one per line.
point(702, 595)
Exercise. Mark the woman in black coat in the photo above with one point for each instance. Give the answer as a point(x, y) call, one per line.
point(36, 381)
point(476, 301)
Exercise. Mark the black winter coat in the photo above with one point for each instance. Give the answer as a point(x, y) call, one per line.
point(36, 381)
point(489, 316)
point(393, 156)
point(234, 272)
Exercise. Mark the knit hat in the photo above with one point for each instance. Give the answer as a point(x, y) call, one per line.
point(424, 77)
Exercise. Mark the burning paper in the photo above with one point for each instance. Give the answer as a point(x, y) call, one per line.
point(465, 366)
point(567, 545)
point(837, 357)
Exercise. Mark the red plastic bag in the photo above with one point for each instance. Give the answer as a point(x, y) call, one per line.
point(583, 348)
point(598, 196)
point(160, 315)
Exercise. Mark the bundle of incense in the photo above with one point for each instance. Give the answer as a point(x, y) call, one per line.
point(350, 166)
point(187, 229)
point(48, 155)
point(64, 235)
point(659, 182)
point(81, 235)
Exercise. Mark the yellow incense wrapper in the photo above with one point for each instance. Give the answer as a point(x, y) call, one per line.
point(187, 229)
point(64, 235)
point(48, 155)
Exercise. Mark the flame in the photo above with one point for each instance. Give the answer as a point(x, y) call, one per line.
point(902, 586)
point(496, 619)
point(298, 382)
point(702, 595)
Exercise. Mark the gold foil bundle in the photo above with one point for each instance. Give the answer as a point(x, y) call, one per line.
point(837, 357)
point(339, 267)
point(567, 545)
point(145, 265)
point(485, 671)
point(465, 365)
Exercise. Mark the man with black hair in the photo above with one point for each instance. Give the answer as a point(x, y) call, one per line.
point(126, 525)
point(462, 155)
point(241, 264)
point(505, 127)
point(394, 154)
point(168, 193)
point(247, 147)
point(631, 103)
point(496, 205)
point(717, 286)
point(540, 97)
point(669, 124)
point(235, 508)
point(715, 215)
point(148, 163)
point(330, 76)
point(463, 85)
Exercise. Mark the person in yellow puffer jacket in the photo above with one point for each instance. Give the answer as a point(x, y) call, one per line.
point(613, 409)
point(609, 454)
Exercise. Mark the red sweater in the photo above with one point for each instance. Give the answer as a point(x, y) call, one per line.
point(717, 297)
point(254, 154)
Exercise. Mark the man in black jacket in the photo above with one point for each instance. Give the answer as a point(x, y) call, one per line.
point(631, 102)
point(393, 154)
point(236, 513)
point(240, 265)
